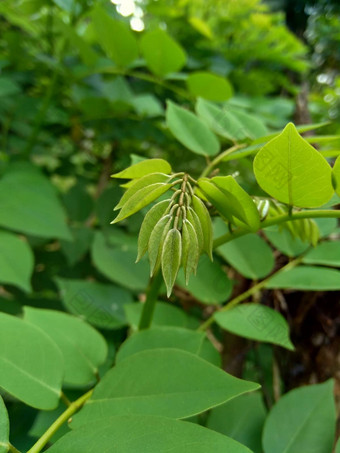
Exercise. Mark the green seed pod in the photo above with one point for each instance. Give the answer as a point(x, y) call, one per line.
point(156, 241)
point(205, 221)
point(190, 250)
point(171, 258)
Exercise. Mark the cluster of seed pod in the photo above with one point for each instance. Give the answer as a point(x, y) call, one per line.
point(175, 232)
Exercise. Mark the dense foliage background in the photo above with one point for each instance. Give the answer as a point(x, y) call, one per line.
point(84, 87)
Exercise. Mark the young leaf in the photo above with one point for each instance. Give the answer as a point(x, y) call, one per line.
point(292, 171)
point(205, 221)
point(169, 382)
point(150, 220)
point(336, 175)
point(141, 183)
point(83, 348)
point(303, 420)
point(4, 428)
point(209, 86)
point(145, 167)
point(191, 131)
point(256, 322)
point(156, 242)
point(190, 250)
point(140, 199)
point(229, 186)
point(115, 37)
point(225, 203)
point(31, 363)
point(147, 434)
point(195, 222)
point(161, 52)
point(171, 258)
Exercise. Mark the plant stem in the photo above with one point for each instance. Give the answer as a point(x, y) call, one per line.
point(72, 409)
point(209, 168)
point(250, 292)
point(151, 300)
point(326, 213)
point(64, 398)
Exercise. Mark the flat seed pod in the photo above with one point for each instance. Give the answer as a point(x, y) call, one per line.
point(195, 221)
point(140, 184)
point(171, 258)
point(156, 241)
point(205, 220)
point(149, 223)
point(190, 250)
point(141, 199)
point(145, 167)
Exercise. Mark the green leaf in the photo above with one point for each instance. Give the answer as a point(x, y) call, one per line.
point(337, 447)
point(161, 337)
point(231, 188)
point(171, 258)
point(147, 434)
point(167, 382)
point(140, 199)
point(74, 251)
point(28, 210)
point(191, 131)
point(115, 37)
point(31, 363)
point(195, 222)
point(209, 86)
point(252, 126)
point(4, 428)
point(285, 242)
point(210, 285)
point(156, 242)
point(83, 348)
point(326, 253)
point(147, 105)
point(256, 322)
point(307, 278)
point(336, 175)
point(242, 419)
point(141, 183)
point(190, 250)
point(220, 121)
point(100, 304)
point(150, 220)
point(225, 201)
point(115, 263)
point(292, 171)
point(250, 255)
point(164, 315)
point(8, 87)
point(16, 261)
point(302, 420)
point(161, 52)
point(205, 221)
point(145, 167)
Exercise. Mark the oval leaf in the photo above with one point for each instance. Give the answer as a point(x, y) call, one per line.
point(190, 252)
point(161, 52)
point(306, 278)
point(191, 131)
point(205, 221)
point(31, 363)
point(302, 420)
point(167, 382)
point(209, 86)
point(4, 428)
point(133, 433)
point(292, 171)
point(83, 348)
point(156, 242)
point(326, 253)
point(256, 322)
point(16, 261)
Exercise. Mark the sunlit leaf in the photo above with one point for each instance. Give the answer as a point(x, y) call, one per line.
point(209, 86)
